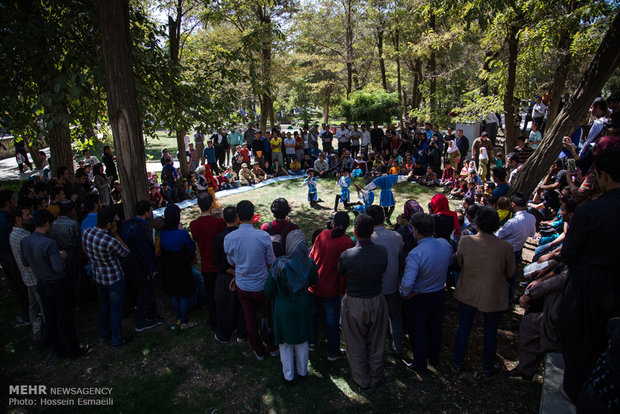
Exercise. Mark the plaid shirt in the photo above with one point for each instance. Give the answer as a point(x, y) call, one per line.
point(16, 237)
point(104, 252)
point(66, 232)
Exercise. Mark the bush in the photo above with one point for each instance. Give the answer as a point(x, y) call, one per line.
point(370, 106)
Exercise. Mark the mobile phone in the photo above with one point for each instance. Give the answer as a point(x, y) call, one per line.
point(566, 140)
point(571, 165)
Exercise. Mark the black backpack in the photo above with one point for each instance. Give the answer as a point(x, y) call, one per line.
point(278, 240)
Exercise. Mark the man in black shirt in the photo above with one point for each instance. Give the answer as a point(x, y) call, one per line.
point(376, 137)
point(364, 311)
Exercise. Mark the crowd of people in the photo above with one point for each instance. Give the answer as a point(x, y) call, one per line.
point(66, 240)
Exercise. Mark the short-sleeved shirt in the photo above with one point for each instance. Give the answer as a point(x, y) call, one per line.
point(276, 144)
point(290, 150)
point(104, 252)
point(251, 252)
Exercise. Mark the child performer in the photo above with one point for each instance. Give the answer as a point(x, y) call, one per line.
point(344, 182)
point(386, 198)
point(367, 197)
point(310, 181)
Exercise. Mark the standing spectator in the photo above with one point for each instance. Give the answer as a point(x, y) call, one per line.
point(90, 159)
point(344, 139)
point(535, 137)
point(446, 220)
point(539, 110)
point(250, 251)
point(21, 154)
point(276, 149)
point(203, 230)
point(104, 248)
point(221, 146)
point(249, 135)
point(516, 231)
point(325, 252)
point(486, 262)
point(91, 207)
point(102, 185)
point(591, 295)
point(178, 252)
point(491, 123)
point(279, 228)
point(376, 137)
point(41, 254)
point(365, 140)
point(139, 239)
point(108, 161)
point(480, 142)
point(7, 261)
point(299, 145)
point(289, 144)
point(66, 232)
point(422, 288)
point(393, 243)
point(199, 141)
point(287, 286)
point(356, 137)
point(326, 138)
point(194, 157)
point(228, 309)
point(21, 219)
point(234, 140)
point(209, 155)
point(462, 143)
point(364, 311)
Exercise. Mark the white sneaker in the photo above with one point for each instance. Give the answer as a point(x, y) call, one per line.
point(260, 358)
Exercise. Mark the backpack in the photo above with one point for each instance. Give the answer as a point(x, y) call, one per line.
point(278, 240)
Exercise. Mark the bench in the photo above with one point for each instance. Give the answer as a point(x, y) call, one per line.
point(552, 401)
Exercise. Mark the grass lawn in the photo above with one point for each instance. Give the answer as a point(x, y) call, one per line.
point(165, 370)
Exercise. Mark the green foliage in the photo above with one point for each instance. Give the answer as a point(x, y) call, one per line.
point(475, 106)
point(370, 106)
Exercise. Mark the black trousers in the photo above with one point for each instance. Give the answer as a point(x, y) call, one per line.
point(210, 279)
point(220, 156)
point(229, 313)
point(58, 311)
point(424, 317)
point(15, 283)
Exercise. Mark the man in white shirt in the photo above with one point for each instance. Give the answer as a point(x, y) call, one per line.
point(365, 136)
point(538, 112)
point(90, 159)
point(491, 126)
point(344, 139)
point(289, 143)
point(516, 231)
point(356, 137)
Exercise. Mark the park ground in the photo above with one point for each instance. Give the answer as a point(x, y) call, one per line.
point(166, 370)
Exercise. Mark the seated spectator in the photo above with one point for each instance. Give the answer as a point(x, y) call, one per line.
point(430, 179)
point(277, 170)
point(259, 173)
point(294, 167)
point(247, 176)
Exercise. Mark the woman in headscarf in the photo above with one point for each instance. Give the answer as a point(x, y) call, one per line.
point(211, 185)
point(177, 254)
point(405, 229)
point(483, 160)
point(103, 185)
point(446, 220)
point(287, 287)
point(454, 155)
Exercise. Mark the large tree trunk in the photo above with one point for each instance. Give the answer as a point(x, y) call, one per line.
point(174, 36)
point(560, 75)
point(264, 114)
point(600, 69)
point(122, 102)
point(60, 146)
point(509, 101)
point(381, 59)
point(348, 38)
point(399, 85)
point(416, 96)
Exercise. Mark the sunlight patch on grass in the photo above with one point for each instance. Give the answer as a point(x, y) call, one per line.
point(344, 387)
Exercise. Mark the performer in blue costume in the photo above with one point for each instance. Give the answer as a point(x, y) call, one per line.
point(344, 182)
point(366, 196)
point(310, 181)
point(386, 197)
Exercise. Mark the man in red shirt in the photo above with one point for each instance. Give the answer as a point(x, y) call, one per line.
point(204, 229)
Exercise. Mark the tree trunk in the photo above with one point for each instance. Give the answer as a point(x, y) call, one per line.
point(509, 101)
point(432, 66)
point(33, 150)
point(328, 93)
point(417, 81)
point(174, 36)
point(605, 61)
point(272, 115)
point(122, 102)
point(560, 75)
point(264, 114)
point(399, 85)
point(60, 146)
point(348, 38)
point(381, 59)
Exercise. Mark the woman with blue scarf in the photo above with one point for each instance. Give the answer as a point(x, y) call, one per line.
point(287, 287)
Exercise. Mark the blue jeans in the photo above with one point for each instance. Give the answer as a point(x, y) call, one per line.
point(111, 311)
point(145, 304)
point(466, 320)
point(181, 306)
point(332, 320)
point(512, 281)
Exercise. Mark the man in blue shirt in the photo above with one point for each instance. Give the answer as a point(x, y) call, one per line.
point(422, 289)
point(251, 253)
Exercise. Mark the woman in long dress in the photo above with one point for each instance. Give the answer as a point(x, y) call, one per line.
point(287, 287)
